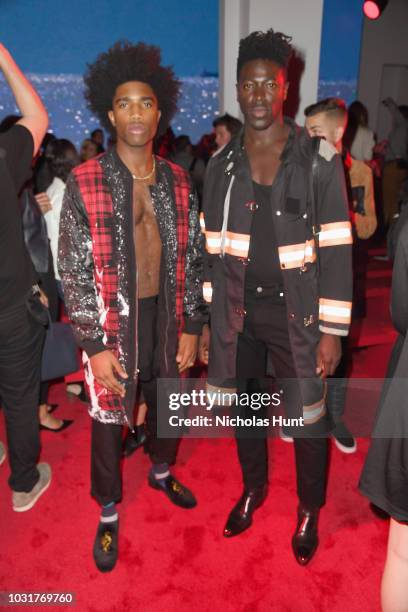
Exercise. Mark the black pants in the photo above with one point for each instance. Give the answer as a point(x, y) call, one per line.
point(21, 341)
point(107, 439)
point(266, 334)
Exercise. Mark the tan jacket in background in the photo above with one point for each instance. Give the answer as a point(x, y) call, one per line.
point(362, 176)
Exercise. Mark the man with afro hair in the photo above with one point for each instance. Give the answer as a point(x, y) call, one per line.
point(130, 256)
point(279, 279)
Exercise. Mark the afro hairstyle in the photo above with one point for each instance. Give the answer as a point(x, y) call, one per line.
point(125, 62)
point(268, 45)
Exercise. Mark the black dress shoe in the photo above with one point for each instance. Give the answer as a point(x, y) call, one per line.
point(177, 493)
point(305, 539)
point(133, 441)
point(65, 423)
point(105, 549)
point(240, 517)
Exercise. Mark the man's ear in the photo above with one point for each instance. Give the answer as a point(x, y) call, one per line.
point(236, 91)
point(285, 91)
point(159, 114)
point(112, 118)
point(339, 132)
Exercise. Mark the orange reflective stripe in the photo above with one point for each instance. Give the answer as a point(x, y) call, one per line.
point(202, 222)
point(334, 234)
point(334, 311)
point(236, 244)
point(213, 242)
point(296, 255)
point(207, 292)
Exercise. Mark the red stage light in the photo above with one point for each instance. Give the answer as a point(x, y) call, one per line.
point(373, 8)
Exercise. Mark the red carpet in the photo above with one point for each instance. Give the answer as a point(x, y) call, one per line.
point(172, 559)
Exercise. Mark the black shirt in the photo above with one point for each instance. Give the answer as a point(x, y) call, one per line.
point(16, 270)
point(264, 267)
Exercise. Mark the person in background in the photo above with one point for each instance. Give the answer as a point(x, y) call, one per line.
point(225, 128)
point(99, 137)
point(384, 479)
point(358, 139)
point(89, 149)
point(395, 169)
point(183, 156)
point(328, 119)
point(22, 317)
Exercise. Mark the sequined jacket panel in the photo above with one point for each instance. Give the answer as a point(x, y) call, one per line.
point(98, 270)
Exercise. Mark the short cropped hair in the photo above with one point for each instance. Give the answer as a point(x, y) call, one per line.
point(232, 124)
point(125, 62)
point(334, 107)
point(268, 45)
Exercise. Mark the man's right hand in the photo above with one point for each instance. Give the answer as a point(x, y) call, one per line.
point(104, 367)
point(204, 345)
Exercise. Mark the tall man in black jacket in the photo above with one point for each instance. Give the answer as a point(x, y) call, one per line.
point(272, 303)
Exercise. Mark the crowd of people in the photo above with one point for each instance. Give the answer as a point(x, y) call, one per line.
point(247, 251)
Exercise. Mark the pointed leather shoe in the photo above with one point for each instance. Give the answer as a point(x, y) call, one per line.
point(305, 539)
point(240, 517)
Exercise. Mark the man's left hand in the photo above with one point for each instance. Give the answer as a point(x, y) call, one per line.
point(187, 351)
point(328, 355)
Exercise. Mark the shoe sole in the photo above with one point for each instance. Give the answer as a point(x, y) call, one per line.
point(347, 450)
point(34, 500)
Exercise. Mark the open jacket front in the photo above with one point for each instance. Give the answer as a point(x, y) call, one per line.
point(97, 264)
point(318, 293)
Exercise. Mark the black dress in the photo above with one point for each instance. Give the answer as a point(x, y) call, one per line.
point(384, 479)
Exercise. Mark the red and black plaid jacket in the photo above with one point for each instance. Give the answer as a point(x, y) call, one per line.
point(98, 269)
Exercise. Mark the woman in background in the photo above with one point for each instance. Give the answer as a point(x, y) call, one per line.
point(358, 138)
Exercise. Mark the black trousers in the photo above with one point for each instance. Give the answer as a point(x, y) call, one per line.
point(266, 334)
point(21, 341)
point(106, 481)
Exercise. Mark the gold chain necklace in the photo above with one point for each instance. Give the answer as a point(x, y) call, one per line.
point(145, 178)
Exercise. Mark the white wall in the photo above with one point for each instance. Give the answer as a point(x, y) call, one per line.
point(384, 43)
point(301, 19)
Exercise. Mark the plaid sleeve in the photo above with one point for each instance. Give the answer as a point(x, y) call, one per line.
point(75, 265)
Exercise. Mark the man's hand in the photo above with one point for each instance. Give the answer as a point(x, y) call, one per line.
point(204, 345)
point(328, 354)
point(187, 351)
point(43, 202)
point(104, 367)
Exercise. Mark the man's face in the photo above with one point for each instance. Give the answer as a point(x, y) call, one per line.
point(98, 137)
point(326, 127)
point(261, 92)
point(135, 114)
point(222, 136)
point(89, 149)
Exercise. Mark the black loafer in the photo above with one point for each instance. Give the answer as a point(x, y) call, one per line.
point(240, 517)
point(177, 493)
point(105, 550)
point(133, 441)
point(305, 539)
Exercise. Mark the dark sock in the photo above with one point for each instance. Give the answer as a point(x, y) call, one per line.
point(109, 513)
point(160, 471)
